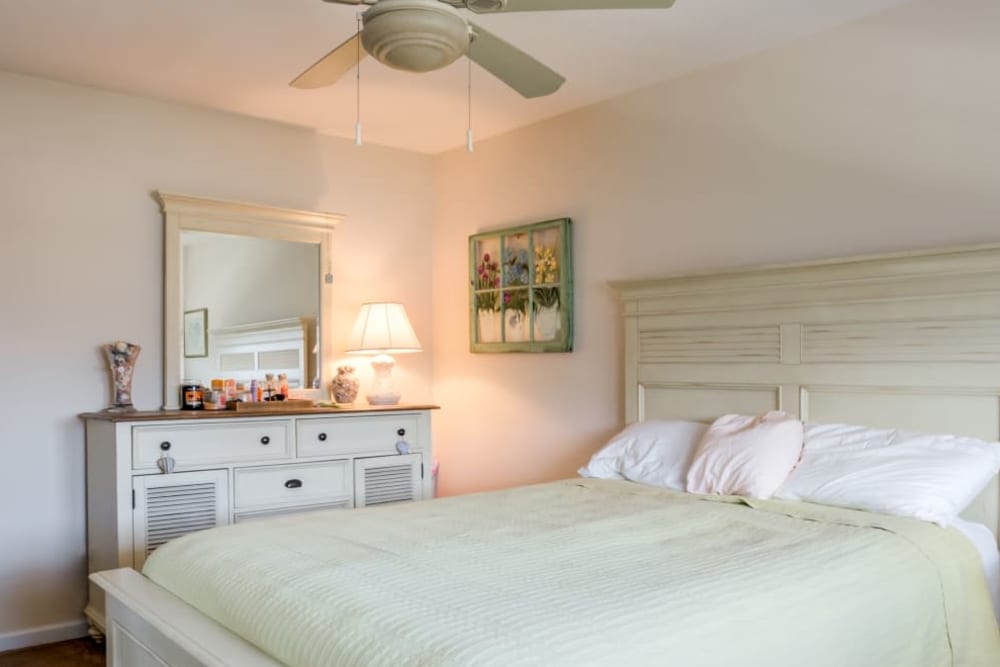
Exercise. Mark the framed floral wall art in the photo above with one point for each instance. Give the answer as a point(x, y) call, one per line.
point(521, 289)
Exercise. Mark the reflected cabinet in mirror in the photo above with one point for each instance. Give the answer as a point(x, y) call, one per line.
point(246, 293)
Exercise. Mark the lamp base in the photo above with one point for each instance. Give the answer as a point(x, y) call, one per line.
point(385, 392)
point(383, 399)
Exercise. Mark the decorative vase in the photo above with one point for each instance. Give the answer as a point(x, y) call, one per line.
point(489, 325)
point(546, 323)
point(345, 386)
point(121, 359)
point(514, 327)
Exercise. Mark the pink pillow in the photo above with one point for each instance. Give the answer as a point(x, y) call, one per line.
point(746, 456)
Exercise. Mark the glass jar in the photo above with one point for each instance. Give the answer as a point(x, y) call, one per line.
point(192, 395)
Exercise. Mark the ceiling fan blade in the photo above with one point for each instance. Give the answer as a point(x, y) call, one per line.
point(512, 65)
point(555, 5)
point(330, 67)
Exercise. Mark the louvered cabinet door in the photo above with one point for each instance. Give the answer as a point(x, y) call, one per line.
point(168, 506)
point(387, 479)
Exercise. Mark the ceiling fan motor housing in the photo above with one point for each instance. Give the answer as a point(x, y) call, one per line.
point(414, 35)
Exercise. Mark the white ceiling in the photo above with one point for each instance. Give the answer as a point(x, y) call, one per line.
point(239, 55)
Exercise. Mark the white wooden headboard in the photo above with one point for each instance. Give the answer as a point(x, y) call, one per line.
point(251, 351)
point(906, 341)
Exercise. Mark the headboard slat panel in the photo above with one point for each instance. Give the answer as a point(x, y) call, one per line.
point(716, 344)
point(941, 340)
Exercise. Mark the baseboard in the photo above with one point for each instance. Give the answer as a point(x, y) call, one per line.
point(43, 634)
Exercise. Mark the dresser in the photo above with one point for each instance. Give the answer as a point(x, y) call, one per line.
point(154, 476)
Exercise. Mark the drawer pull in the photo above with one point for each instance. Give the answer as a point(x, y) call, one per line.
point(266, 440)
point(401, 432)
point(293, 484)
point(165, 445)
point(166, 464)
point(322, 437)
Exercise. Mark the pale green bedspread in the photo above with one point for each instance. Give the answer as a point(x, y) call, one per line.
point(592, 572)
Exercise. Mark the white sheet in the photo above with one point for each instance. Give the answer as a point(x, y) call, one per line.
point(986, 545)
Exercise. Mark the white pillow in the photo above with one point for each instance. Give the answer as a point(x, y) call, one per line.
point(652, 452)
point(746, 456)
point(928, 477)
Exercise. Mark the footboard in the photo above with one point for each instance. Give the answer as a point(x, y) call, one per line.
point(147, 626)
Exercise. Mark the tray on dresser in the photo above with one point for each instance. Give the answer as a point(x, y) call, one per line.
point(271, 406)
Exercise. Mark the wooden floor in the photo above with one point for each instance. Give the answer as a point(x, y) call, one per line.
point(76, 653)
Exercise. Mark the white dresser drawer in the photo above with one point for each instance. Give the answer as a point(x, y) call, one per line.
point(356, 435)
point(256, 515)
point(303, 484)
point(200, 444)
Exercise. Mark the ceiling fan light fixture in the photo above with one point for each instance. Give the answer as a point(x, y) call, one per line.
point(414, 35)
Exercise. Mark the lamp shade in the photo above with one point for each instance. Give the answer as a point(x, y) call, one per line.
point(383, 328)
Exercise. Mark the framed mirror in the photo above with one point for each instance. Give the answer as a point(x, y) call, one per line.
point(247, 291)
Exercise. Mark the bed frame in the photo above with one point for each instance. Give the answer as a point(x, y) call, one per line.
point(909, 341)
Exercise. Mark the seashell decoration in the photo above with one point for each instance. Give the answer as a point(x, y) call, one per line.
point(345, 386)
point(121, 359)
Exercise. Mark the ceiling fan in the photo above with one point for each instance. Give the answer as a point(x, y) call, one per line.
point(424, 35)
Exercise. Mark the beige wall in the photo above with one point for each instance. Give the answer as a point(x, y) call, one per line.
point(81, 265)
point(874, 137)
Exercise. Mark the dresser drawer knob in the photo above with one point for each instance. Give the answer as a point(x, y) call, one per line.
point(166, 464)
point(401, 432)
point(266, 440)
point(322, 437)
point(165, 445)
point(293, 484)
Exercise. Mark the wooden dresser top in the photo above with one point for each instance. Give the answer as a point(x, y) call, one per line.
point(195, 415)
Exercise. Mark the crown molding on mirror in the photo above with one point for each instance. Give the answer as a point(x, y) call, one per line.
point(186, 213)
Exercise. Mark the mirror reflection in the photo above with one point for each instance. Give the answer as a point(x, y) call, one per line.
point(251, 308)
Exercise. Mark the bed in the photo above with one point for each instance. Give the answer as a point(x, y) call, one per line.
point(611, 572)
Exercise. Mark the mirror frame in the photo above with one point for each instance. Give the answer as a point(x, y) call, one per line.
point(186, 213)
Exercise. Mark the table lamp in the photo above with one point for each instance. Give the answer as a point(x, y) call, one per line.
point(383, 329)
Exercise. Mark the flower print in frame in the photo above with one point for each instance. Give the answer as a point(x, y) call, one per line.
point(486, 294)
point(521, 289)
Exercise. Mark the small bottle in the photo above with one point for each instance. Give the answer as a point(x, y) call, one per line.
point(254, 391)
point(283, 385)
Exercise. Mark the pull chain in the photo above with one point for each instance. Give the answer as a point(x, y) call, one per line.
point(468, 131)
point(357, 123)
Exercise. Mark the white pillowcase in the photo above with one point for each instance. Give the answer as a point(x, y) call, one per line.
point(928, 477)
point(746, 456)
point(652, 452)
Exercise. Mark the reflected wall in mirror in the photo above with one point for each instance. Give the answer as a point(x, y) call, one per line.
point(263, 275)
point(263, 296)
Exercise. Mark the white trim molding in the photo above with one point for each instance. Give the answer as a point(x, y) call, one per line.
point(43, 634)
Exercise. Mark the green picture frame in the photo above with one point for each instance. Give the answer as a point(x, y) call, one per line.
point(521, 288)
